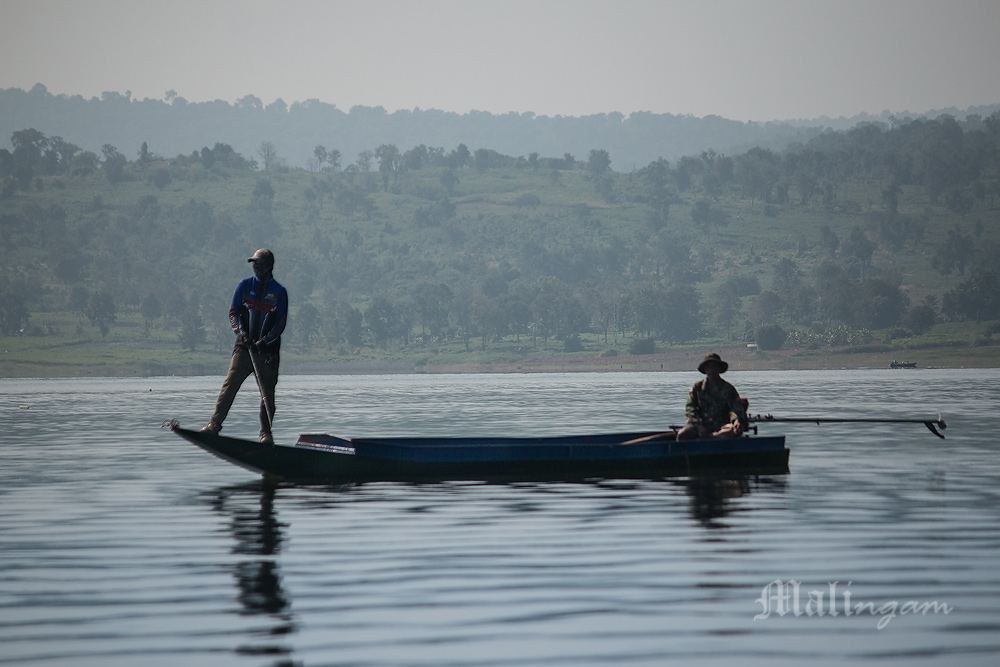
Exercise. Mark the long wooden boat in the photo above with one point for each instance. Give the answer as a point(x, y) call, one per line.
point(319, 457)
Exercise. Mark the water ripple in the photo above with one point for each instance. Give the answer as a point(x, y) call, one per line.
point(120, 544)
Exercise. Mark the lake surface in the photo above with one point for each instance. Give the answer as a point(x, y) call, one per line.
point(121, 544)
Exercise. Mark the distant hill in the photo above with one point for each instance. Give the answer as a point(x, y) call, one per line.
point(174, 126)
point(891, 117)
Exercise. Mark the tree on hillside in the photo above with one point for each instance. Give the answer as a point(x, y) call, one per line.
point(516, 306)
point(836, 295)
point(114, 164)
point(642, 307)
point(655, 191)
point(247, 102)
point(28, 159)
point(672, 313)
point(333, 159)
point(921, 317)
point(483, 159)
point(59, 155)
point(319, 154)
point(101, 311)
point(718, 172)
point(880, 304)
point(381, 320)
point(415, 158)
point(151, 309)
point(890, 197)
point(84, 164)
point(262, 199)
point(432, 302)
point(460, 156)
point(786, 275)
point(955, 253)
point(858, 247)
point(725, 307)
point(388, 164)
point(807, 186)
point(192, 330)
point(765, 307)
point(757, 173)
point(977, 298)
point(770, 337)
point(486, 319)
point(268, 155)
point(307, 323)
point(326, 159)
point(685, 172)
point(598, 163)
point(364, 161)
point(207, 157)
point(342, 324)
point(350, 324)
point(31, 142)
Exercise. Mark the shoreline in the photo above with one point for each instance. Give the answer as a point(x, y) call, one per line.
point(672, 360)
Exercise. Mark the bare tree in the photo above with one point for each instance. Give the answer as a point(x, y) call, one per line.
point(268, 155)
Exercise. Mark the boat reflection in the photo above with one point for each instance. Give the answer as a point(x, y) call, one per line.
point(712, 498)
point(259, 535)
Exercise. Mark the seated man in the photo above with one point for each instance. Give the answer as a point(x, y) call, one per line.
point(714, 408)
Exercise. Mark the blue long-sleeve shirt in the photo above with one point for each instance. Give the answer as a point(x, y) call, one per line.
point(259, 311)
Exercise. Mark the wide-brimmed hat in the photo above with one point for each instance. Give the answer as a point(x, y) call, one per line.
point(713, 358)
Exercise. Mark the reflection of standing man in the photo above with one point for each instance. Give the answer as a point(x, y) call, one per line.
point(257, 315)
point(259, 536)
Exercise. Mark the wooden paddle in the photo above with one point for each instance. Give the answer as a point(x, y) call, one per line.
point(666, 435)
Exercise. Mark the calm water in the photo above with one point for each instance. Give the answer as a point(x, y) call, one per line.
point(120, 544)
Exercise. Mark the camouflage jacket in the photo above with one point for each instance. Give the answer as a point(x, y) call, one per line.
point(714, 405)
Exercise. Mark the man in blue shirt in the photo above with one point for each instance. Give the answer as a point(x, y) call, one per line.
point(257, 315)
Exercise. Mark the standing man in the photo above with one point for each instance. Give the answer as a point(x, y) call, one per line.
point(714, 408)
point(257, 315)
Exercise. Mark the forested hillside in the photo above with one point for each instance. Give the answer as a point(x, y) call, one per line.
point(174, 125)
point(873, 234)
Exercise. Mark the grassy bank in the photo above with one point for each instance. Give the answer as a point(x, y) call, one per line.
point(63, 345)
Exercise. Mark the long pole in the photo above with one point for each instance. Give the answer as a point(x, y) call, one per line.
point(260, 387)
point(931, 424)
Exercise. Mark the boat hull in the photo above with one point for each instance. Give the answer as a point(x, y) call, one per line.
point(329, 459)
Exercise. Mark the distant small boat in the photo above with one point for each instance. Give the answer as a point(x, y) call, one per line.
point(328, 458)
point(902, 364)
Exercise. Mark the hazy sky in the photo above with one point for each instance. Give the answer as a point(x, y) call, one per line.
point(746, 60)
